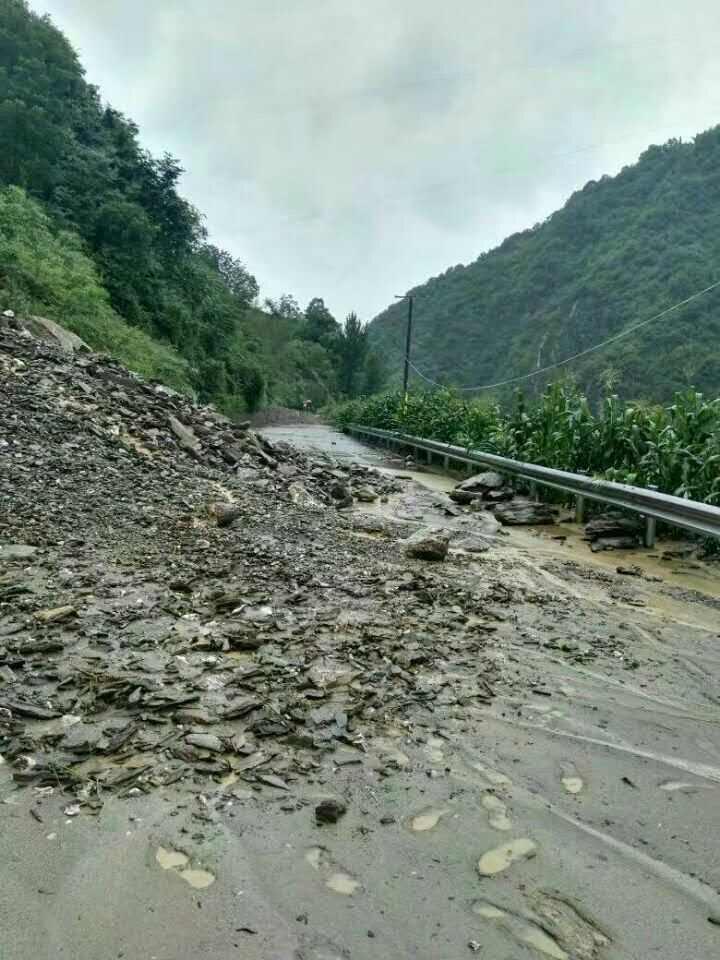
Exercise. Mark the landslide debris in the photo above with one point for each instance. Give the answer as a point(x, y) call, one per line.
point(183, 602)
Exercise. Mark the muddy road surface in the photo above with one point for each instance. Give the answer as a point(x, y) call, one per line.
point(237, 718)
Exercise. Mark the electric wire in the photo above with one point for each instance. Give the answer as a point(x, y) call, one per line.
point(582, 353)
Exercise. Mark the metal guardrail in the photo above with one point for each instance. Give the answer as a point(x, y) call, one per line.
point(653, 506)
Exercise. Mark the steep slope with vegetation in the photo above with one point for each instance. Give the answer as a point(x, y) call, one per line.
point(94, 234)
point(619, 251)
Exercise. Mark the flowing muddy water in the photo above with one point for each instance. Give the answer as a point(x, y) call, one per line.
point(672, 561)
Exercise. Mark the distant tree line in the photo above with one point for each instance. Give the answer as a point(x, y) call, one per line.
point(80, 195)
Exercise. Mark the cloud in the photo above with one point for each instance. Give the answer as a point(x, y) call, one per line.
point(351, 150)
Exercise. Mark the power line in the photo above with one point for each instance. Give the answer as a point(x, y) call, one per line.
point(581, 353)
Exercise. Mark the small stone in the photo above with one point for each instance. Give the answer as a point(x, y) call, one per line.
point(55, 614)
point(365, 494)
point(299, 495)
point(330, 810)
point(225, 513)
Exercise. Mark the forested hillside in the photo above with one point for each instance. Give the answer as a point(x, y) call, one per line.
point(620, 250)
point(94, 234)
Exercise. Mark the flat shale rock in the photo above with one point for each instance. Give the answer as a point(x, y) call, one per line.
point(524, 513)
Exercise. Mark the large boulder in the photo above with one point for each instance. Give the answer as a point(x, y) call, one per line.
point(52, 332)
point(524, 513)
point(428, 544)
point(185, 436)
point(480, 482)
point(365, 493)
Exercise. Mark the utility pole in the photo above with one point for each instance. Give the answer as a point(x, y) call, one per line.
point(408, 341)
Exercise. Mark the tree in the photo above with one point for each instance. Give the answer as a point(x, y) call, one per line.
point(233, 273)
point(352, 351)
point(320, 325)
point(286, 307)
point(375, 373)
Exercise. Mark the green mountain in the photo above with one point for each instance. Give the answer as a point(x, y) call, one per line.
point(621, 250)
point(95, 235)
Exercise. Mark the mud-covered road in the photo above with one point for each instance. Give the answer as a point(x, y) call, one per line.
point(526, 741)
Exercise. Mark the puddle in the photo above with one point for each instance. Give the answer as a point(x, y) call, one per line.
point(198, 879)
point(171, 859)
point(178, 862)
point(572, 784)
point(426, 821)
point(497, 812)
point(342, 883)
point(499, 859)
point(338, 880)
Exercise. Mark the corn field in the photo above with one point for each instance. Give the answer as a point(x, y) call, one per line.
point(675, 448)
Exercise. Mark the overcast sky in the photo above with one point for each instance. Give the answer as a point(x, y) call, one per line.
point(351, 149)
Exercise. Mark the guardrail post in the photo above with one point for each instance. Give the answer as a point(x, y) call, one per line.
point(579, 508)
point(446, 462)
point(650, 529)
point(533, 490)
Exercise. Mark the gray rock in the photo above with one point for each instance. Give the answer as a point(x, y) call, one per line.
point(384, 526)
point(609, 527)
point(340, 491)
point(465, 497)
point(472, 543)
point(185, 436)
point(226, 513)
point(524, 513)
point(614, 543)
point(330, 810)
point(83, 738)
point(247, 473)
point(489, 480)
point(16, 551)
point(205, 741)
point(48, 330)
point(428, 545)
point(365, 494)
point(299, 495)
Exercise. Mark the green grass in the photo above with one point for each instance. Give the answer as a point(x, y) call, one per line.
point(46, 272)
